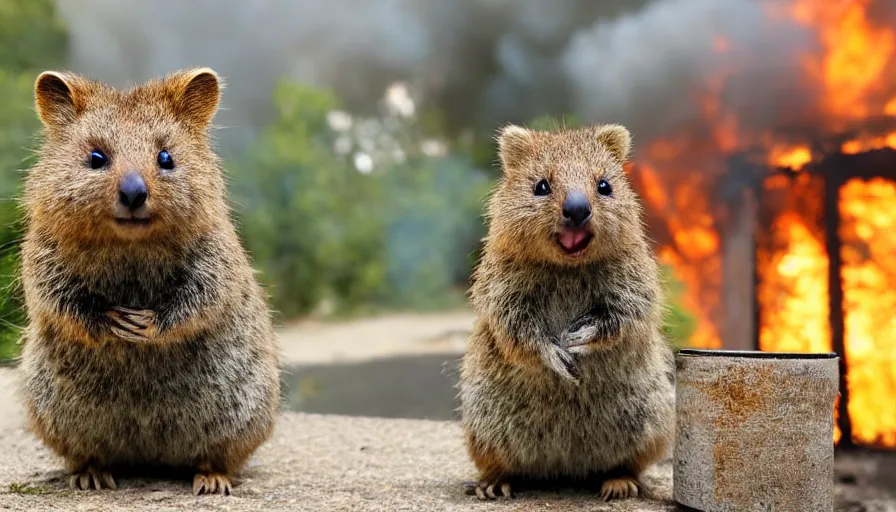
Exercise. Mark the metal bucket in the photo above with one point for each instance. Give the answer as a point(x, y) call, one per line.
point(755, 431)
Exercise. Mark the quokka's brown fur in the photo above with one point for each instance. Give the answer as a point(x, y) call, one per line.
point(149, 346)
point(567, 376)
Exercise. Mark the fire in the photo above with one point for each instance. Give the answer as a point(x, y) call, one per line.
point(693, 249)
point(792, 157)
point(890, 107)
point(861, 145)
point(857, 53)
point(793, 269)
point(793, 294)
point(850, 75)
point(868, 210)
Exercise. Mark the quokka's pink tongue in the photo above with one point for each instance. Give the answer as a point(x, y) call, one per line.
point(570, 239)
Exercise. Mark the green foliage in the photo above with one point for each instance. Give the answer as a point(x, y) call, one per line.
point(32, 35)
point(11, 313)
point(29, 489)
point(18, 127)
point(321, 232)
point(679, 324)
point(32, 39)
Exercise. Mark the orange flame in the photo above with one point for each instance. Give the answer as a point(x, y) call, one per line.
point(860, 145)
point(793, 294)
point(857, 53)
point(868, 212)
point(792, 157)
point(890, 108)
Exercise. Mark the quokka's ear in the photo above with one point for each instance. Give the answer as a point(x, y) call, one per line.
point(59, 98)
point(515, 145)
point(195, 95)
point(617, 139)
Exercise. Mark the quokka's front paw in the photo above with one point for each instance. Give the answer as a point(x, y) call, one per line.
point(577, 336)
point(559, 360)
point(136, 325)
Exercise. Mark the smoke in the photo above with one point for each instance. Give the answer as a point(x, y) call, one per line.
point(646, 67)
point(483, 62)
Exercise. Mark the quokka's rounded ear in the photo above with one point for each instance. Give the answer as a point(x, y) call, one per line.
point(515, 145)
point(195, 95)
point(59, 98)
point(617, 139)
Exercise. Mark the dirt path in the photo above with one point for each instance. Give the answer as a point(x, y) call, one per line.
point(311, 342)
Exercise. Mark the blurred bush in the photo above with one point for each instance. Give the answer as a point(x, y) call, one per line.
point(12, 316)
point(349, 214)
point(679, 323)
point(32, 39)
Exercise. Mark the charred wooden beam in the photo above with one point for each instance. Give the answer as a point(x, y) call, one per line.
point(833, 183)
point(871, 164)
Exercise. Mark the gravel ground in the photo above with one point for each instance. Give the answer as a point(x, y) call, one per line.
point(313, 462)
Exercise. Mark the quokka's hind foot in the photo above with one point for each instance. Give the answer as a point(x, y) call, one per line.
point(91, 478)
point(211, 483)
point(620, 487)
point(489, 489)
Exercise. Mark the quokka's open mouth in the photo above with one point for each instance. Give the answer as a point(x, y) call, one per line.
point(574, 241)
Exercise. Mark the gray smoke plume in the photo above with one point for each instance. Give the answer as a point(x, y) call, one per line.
point(483, 62)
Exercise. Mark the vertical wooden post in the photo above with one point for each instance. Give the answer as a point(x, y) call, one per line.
point(739, 190)
point(833, 182)
point(739, 331)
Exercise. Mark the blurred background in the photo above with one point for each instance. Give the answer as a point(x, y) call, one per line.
point(358, 140)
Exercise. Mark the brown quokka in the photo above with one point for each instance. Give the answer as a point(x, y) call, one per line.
point(149, 344)
point(567, 376)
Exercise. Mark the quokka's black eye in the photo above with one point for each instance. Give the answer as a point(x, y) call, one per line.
point(98, 159)
point(542, 188)
point(166, 161)
point(604, 188)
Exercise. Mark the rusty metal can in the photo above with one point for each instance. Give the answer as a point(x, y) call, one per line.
point(755, 431)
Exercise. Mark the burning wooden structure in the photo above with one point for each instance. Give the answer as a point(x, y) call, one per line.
point(807, 260)
point(786, 235)
point(812, 258)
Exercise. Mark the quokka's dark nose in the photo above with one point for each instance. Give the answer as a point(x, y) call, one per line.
point(576, 209)
point(132, 191)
